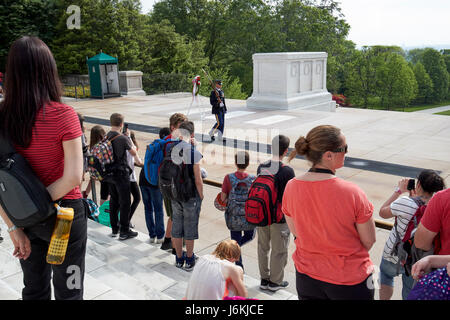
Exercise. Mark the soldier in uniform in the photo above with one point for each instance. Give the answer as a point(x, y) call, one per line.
point(217, 100)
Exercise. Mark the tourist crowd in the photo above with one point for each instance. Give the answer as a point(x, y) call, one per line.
point(330, 218)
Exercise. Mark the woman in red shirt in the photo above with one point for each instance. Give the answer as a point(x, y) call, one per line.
point(332, 221)
point(48, 134)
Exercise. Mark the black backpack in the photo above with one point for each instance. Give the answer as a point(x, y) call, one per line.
point(23, 197)
point(175, 181)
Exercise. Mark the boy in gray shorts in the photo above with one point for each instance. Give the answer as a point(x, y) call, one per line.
point(185, 215)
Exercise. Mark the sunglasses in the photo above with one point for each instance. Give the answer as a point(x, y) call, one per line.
point(341, 149)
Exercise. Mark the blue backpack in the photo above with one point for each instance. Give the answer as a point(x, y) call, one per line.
point(153, 158)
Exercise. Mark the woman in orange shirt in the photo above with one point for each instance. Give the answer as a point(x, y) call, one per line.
point(332, 221)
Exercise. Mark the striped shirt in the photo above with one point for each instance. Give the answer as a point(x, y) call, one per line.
point(55, 123)
point(404, 209)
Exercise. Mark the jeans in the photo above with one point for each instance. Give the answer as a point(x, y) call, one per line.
point(154, 214)
point(242, 237)
point(68, 277)
point(185, 218)
point(388, 271)
point(119, 189)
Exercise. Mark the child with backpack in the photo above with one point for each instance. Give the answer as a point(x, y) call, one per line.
point(119, 179)
point(407, 211)
point(273, 231)
point(175, 121)
point(180, 181)
point(148, 183)
point(97, 134)
point(234, 193)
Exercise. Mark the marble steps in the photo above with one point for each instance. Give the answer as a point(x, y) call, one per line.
point(133, 269)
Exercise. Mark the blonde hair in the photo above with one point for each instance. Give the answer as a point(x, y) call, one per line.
point(176, 119)
point(228, 249)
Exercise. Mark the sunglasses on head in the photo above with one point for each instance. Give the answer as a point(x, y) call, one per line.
point(341, 149)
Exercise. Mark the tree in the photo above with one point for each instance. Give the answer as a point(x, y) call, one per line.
point(231, 86)
point(435, 66)
point(19, 18)
point(360, 77)
point(415, 55)
point(396, 83)
point(110, 26)
point(170, 52)
point(424, 84)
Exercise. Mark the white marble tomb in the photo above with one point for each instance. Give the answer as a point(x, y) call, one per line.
point(290, 80)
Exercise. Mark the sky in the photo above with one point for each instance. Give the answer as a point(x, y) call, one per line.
point(405, 23)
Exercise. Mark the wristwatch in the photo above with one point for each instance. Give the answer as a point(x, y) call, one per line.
point(397, 190)
point(12, 229)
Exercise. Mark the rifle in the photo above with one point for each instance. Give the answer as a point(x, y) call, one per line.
point(212, 86)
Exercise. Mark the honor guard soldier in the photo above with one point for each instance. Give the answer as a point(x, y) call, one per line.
point(217, 100)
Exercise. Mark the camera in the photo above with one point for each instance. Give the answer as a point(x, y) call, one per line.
point(411, 184)
point(125, 127)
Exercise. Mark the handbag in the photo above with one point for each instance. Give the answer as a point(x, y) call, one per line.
point(23, 197)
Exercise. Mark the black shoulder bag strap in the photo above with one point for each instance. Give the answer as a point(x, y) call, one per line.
point(6, 148)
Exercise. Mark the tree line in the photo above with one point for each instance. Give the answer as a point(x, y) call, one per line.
point(183, 36)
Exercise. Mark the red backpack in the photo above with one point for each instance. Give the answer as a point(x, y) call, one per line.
point(261, 206)
point(406, 251)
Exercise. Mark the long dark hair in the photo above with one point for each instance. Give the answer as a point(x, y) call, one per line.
point(31, 81)
point(97, 134)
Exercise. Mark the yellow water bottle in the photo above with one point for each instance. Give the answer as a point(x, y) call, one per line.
point(60, 237)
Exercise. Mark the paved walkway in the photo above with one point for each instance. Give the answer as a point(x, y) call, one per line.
point(434, 110)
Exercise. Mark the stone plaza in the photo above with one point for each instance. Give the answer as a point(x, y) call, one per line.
point(383, 147)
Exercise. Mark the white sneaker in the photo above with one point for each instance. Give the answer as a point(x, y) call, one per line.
point(152, 240)
point(159, 241)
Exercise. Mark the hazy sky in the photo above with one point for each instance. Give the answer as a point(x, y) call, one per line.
point(391, 22)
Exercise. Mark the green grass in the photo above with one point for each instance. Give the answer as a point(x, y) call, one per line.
point(412, 108)
point(444, 113)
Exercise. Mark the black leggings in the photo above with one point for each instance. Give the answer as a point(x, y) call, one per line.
point(68, 277)
point(104, 190)
point(312, 289)
point(136, 193)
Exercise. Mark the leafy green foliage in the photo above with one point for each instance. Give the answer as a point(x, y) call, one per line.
point(424, 84)
point(434, 64)
point(179, 37)
point(25, 17)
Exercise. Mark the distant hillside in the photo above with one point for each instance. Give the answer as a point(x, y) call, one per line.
point(436, 46)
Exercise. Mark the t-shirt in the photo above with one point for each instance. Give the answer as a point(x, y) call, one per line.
point(45, 153)
point(437, 218)
point(404, 209)
point(328, 246)
point(226, 185)
point(282, 174)
point(120, 146)
point(207, 281)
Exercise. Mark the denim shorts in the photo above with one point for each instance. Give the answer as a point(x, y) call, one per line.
point(185, 216)
point(388, 271)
